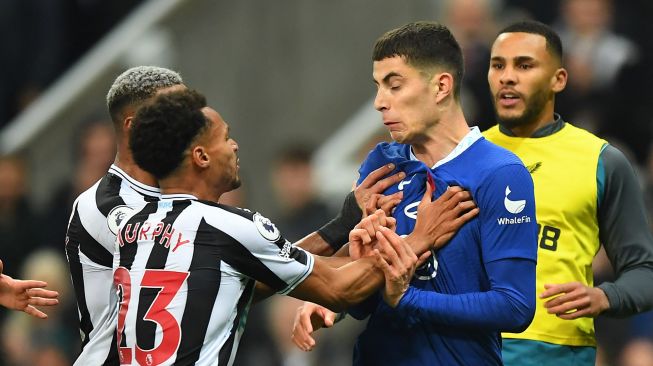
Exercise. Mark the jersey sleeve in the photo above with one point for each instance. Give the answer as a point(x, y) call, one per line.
point(255, 247)
point(508, 227)
point(625, 233)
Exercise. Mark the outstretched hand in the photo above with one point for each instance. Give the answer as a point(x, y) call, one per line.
point(309, 318)
point(574, 300)
point(438, 221)
point(24, 295)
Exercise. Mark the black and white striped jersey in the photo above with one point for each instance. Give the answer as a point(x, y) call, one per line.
point(185, 271)
point(90, 242)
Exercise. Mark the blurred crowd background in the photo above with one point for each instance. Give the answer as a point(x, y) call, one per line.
point(286, 75)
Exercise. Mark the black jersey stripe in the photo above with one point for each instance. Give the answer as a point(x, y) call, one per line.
point(80, 238)
point(239, 257)
point(128, 251)
point(146, 330)
point(243, 304)
point(234, 210)
point(203, 285)
point(77, 276)
point(107, 196)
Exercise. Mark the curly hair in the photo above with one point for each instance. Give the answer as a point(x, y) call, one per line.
point(163, 130)
point(423, 45)
point(136, 86)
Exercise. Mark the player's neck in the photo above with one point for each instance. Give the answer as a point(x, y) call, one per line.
point(441, 139)
point(126, 163)
point(181, 182)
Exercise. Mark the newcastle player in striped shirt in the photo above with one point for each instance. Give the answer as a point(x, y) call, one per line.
point(186, 267)
point(98, 211)
point(125, 188)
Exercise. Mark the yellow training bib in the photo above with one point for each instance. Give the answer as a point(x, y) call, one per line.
point(564, 169)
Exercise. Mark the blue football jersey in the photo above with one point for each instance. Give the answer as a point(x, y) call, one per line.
point(505, 228)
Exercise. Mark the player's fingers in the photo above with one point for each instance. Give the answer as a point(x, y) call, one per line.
point(395, 241)
point(39, 301)
point(329, 317)
point(467, 216)
point(428, 194)
point(371, 204)
point(29, 284)
point(561, 299)
point(388, 203)
point(554, 289)
point(389, 253)
point(2, 266)
point(360, 235)
point(569, 306)
point(385, 183)
point(464, 206)
point(576, 314)
point(41, 292)
point(35, 312)
point(391, 223)
point(388, 271)
point(423, 258)
point(377, 174)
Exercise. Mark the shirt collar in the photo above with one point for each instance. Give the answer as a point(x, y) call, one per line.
point(547, 130)
point(470, 138)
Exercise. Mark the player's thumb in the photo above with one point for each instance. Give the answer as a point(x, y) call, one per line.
point(1, 266)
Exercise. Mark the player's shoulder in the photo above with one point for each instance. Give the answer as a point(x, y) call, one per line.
point(492, 156)
point(215, 207)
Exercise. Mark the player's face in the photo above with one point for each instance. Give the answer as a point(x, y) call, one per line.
point(405, 99)
point(222, 151)
point(523, 78)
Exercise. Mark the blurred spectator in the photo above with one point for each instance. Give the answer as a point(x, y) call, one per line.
point(473, 24)
point(96, 149)
point(19, 233)
point(600, 64)
point(53, 342)
point(301, 210)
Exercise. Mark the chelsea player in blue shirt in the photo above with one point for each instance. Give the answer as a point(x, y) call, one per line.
point(483, 281)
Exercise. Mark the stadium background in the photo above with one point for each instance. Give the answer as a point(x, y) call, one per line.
point(289, 76)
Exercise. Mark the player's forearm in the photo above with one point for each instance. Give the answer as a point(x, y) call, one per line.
point(261, 292)
point(315, 244)
point(337, 289)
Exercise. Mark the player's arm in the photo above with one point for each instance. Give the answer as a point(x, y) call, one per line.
point(363, 199)
point(625, 234)
point(340, 288)
point(509, 304)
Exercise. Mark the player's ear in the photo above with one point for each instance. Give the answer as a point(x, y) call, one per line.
point(559, 80)
point(199, 156)
point(443, 83)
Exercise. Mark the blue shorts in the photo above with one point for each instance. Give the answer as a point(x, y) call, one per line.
point(522, 352)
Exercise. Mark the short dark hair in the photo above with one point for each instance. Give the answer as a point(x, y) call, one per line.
point(553, 43)
point(423, 44)
point(163, 130)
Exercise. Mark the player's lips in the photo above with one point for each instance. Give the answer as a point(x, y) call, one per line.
point(508, 97)
point(390, 124)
